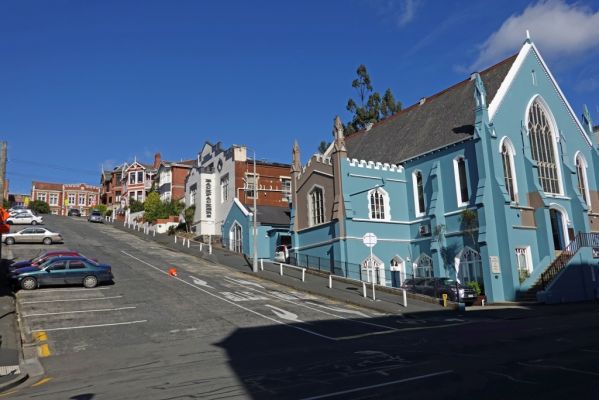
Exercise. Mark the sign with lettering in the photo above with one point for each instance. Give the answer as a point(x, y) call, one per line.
point(494, 262)
point(208, 197)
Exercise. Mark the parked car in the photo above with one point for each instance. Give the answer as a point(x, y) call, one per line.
point(39, 260)
point(63, 271)
point(14, 212)
point(95, 216)
point(74, 212)
point(25, 219)
point(436, 287)
point(282, 253)
point(17, 208)
point(32, 235)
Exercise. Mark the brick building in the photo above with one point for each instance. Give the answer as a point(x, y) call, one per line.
point(62, 197)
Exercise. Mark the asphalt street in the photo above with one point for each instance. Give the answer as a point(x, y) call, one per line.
point(214, 333)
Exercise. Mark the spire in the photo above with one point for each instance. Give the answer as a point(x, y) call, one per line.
point(339, 137)
point(297, 163)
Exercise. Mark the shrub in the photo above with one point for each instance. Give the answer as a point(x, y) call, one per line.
point(40, 207)
point(476, 286)
point(172, 230)
point(109, 213)
point(135, 206)
point(102, 208)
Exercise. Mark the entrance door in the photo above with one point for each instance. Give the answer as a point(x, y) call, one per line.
point(557, 229)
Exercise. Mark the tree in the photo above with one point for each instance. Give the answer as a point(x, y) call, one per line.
point(153, 207)
point(136, 206)
point(370, 107)
point(101, 207)
point(323, 146)
point(40, 207)
point(189, 215)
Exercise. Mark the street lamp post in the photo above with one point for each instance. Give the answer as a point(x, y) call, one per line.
point(255, 235)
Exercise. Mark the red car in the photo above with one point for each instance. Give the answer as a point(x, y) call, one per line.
point(34, 262)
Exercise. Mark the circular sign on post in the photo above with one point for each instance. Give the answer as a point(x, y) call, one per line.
point(369, 239)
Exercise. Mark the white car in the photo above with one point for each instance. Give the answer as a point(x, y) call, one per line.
point(32, 235)
point(24, 219)
point(282, 253)
point(13, 212)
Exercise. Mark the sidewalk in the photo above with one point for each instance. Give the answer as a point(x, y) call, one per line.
point(11, 372)
point(388, 300)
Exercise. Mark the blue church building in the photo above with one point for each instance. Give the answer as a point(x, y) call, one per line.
point(494, 179)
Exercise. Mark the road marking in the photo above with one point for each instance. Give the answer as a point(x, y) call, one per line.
point(321, 311)
point(289, 316)
point(343, 310)
point(43, 350)
point(242, 296)
point(65, 300)
point(91, 326)
point(200, 282)
point(421, 328)
point(72, 289)
point(244, 282)
point(77, 312)
point(230, 302)
point(40, 336)
point(41, 382)
point(414, 378)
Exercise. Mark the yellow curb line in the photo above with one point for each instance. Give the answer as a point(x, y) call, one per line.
point(41, 382)
point(43, 350)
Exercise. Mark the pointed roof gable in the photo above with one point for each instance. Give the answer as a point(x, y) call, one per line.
point(435, 122)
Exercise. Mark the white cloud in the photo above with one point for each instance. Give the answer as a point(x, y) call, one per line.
point(398, 12)
point(557, 28)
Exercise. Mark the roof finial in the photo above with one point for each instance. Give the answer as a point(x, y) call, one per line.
point(528, 35)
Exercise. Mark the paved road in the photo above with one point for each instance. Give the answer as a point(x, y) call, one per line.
point(213, 333)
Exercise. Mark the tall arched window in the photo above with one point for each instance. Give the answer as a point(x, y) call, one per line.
point(423, 266)
point(316, 206)
point(507, 158)
point(418, 193)
point(581, 174)
point(378, 204)
point(461, 181)
point(543, 149)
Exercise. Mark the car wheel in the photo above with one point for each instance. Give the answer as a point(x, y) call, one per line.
point(47, 241)
point(29, 283)
point(10, 241)
point(9, 222)
point(33, 222)
point(90, 281)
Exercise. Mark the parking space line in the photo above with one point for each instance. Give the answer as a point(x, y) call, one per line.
point(228, 301)
point(359, 389)
point(90, 326)
point(80, 311)
point(72, 289)
point(65, 300)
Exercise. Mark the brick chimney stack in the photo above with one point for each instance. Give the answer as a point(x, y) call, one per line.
point(157, 160)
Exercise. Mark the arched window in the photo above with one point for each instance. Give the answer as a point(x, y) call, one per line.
point(423, 267)
point(378, 204)
point(461, 181)
point(470, 266)
point(543, 148)
point(507, 158)
point(372, 265)
point(418, 193)
point(316, 206)
point(581, 174)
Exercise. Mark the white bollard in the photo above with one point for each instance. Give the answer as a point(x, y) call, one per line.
point(154, 231)
point(483, 302)
point(188, 243)
point(330, 281)
point(303, 275)
point(261, 264)
point(281, 269)
point(209, 249)
point(364, 289)
point(175, 238)
point(405, 298)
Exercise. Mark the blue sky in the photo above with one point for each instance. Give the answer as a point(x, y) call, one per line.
point(91, 83)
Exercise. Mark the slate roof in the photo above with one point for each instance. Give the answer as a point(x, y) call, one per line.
point(443, 119)
point(271, 215)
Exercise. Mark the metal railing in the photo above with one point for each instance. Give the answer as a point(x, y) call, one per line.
point(581, 240)
point(335, 267)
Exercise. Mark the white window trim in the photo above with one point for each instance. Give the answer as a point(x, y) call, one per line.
point(401, 268)
point(566, 223)
point(416, 263)
point(418, 211)
point(456, 176)
point(585, 165)
point(387, 208)
point(379, 267)
point(512, 151)
point(256, 180)
point(310, 206)
point(527, 256)
point(555, 136)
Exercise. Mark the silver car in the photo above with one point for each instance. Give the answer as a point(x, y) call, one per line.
point(25, 218)
point(32, 235)
point(95, 216)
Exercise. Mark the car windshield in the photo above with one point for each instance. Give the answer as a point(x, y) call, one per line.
point(96, 213)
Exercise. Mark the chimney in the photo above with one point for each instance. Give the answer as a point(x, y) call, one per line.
point(157, 160)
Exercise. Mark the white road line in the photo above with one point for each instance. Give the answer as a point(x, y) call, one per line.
point(228, 301)
point(89, 326)
point(415, 378)
point(65, 300)
point(72, 289)
point(82, 311)
point(319, 310)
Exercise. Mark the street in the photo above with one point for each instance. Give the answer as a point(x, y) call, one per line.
point(214, 333)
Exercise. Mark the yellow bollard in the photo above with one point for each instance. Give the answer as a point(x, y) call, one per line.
point(444, 296)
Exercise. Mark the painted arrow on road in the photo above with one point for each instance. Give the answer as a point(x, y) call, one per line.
point(199, 282)
point(284, 314)
point(242, 282)
point(343, 310)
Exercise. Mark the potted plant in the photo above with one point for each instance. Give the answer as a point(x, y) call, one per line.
point(480, 292)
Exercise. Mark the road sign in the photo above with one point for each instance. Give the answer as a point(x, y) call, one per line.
point(369, 239)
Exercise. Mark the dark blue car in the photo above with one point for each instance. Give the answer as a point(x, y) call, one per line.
point(63, 271)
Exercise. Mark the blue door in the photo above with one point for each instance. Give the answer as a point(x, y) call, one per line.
point(557, 229)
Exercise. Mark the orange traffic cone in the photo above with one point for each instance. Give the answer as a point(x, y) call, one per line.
point(172, 271)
